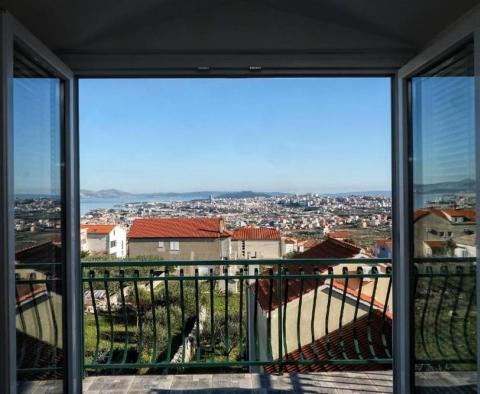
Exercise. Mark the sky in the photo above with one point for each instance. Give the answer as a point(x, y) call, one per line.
point(292, 135)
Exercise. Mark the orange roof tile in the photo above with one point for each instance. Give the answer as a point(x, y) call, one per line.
point(339, 234)
point(177, 228)
point(331, 248)
point(309, 243)
point(98, 228)
point(256, 233)
point(468, 213)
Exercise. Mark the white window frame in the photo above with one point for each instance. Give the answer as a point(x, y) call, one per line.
point(174, 246)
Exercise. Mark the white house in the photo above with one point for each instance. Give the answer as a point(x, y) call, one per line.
point(256, 243)
point(104, 239)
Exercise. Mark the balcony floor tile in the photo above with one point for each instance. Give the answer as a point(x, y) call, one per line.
point(325, 383)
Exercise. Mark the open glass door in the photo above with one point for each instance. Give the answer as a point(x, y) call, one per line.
point(444, 224)
point(41, 205)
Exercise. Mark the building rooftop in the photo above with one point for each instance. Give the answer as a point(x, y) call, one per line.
point(256, 233)
point(98, 228)
point(339, 234)
point(178, 228)
point(448, 213)
point(332, 248)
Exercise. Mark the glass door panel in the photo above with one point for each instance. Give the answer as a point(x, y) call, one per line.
point(38, 161)
point(444, 224)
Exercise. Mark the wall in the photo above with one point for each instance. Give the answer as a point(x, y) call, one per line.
point(97, 243)
point(119, 235)
point(305, 321)
point(432, 221)
point(259, 248)
point(190, 248)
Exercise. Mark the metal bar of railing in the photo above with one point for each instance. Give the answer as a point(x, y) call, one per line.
point(355, 315)
point(312, 318)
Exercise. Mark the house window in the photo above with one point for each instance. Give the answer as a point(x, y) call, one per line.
point(161, 245)
point(174, 245)
point(113, 244)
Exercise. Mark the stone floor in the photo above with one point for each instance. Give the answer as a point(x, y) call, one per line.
point(327, 382)
point(331, 382)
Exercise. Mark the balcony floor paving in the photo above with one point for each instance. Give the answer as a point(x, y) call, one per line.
point(328, 382)
point(322, 382)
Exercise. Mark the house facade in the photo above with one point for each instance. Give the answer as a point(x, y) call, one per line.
point(256, 243)
point(179, 239)
point(104, 240)
point(437, 231)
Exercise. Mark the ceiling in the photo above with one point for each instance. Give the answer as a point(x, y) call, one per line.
point(189, 32)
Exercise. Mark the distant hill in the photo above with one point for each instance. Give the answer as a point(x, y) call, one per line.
point(244, 194)
point(105, 193)
point(465, 185)
point(115, 193)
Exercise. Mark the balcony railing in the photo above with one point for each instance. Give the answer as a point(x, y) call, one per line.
point(275, 315)
point(445, 312)
point(279, 314)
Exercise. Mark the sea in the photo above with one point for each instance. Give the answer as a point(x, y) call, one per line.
point(87, 204)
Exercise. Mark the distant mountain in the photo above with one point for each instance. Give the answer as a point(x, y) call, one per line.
point(105, 193)
point(465, 185)
point(243, 194)
point(200, 195)
point(369, 193)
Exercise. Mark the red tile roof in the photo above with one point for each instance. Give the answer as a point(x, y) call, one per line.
point(98, 228)
point(420, 213)
point(267, 287)
point(345, 342)
point(468, 213)
point(339, 234)
point(309, 243)
point(331, 248)
point(256, 233)
point(177, 228)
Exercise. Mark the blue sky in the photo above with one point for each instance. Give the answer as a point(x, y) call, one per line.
point(262, 134)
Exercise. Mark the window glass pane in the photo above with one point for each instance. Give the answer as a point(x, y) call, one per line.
point(39, 224)
point(444, 224)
